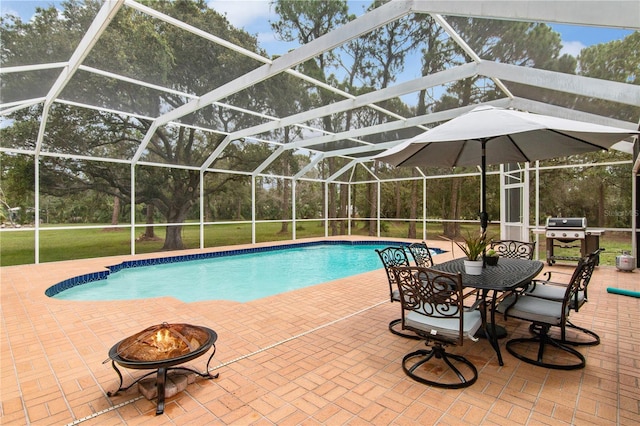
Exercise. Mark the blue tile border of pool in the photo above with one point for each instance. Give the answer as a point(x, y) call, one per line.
point(102, 275)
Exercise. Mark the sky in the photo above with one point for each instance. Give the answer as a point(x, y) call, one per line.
point(254, 16)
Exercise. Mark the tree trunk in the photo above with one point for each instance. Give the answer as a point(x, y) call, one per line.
point(372, 208)
point(452, 229)
point(208, 212)
point(239, 209)
point(286, 196)
point(344, 201)
point(149, 230)
point(332, 200)
point(373, 196)
point(354, 211)
point(601, 201)
point(286, 207)
point(115, 214)
point(398, 201)
point(173, 241)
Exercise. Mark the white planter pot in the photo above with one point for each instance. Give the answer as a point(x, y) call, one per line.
point(473, 267)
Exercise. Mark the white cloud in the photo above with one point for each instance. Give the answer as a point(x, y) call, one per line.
point(244, 13)
point(572, 48)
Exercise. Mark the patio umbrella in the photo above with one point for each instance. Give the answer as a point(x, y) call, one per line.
point(490, 135)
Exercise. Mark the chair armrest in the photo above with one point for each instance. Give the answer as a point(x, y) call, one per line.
point(547, 280)
point(548, 274)
point(473, 292)
point(474, 305)
point(476, 302)
point(544, 282)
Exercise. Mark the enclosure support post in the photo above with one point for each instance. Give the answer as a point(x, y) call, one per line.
point(201, 209)
point(379, 190)
point(635, 196)
point(36, 160)
point(293, 208)
point(537, 196)
point(326, 209)
point(424, 209)
point(253, 209)
point(349, 209)
point(133, 209)
point(526, 193)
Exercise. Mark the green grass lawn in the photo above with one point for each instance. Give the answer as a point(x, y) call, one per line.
point(17, 247)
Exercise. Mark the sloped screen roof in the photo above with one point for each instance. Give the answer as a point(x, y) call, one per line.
point(164, 69)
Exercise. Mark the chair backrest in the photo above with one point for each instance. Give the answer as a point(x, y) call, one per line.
point(391, 257)
point(514, 249)
point(432, 303)
point(421, 254)
point(579, 282)
point(582, 276)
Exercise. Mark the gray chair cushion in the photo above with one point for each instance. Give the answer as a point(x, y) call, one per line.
point(554, 292)
point(395, 295)
point(533, 309)
point(448, 327)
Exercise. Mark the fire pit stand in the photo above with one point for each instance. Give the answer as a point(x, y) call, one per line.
point(118, 356)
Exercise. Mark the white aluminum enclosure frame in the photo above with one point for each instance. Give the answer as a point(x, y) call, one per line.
point(609, 14)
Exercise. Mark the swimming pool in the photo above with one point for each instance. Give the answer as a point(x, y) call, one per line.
point(238, 275)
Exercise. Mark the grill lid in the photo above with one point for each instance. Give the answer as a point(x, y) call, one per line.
point(567, 222)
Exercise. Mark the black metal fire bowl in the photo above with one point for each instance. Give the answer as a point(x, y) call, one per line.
point(163, 365)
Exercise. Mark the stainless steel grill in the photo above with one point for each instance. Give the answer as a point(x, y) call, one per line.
point(570, 233)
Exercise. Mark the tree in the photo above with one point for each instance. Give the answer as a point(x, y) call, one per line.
point(146, 49)
point(287, 96)
point(518, 43)
point(595, 192)
point(434, 57)
point(618, 60)
point(386, 50)
point(305, 21)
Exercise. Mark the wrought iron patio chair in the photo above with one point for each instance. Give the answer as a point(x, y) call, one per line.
point(514, 249)
point(432, 308)
point(554, 290)
point(391, 257)
point(421, 254)
point(544, 314)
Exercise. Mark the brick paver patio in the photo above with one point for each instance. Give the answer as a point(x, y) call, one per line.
point(319, 355)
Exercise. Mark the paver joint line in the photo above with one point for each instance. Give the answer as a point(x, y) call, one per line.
point(297, 336)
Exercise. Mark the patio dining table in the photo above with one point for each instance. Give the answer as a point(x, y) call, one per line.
point(507, 275)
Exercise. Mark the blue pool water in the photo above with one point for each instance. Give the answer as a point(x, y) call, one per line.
point(237, 277)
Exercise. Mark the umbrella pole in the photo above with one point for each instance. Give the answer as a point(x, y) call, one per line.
point(484, 217)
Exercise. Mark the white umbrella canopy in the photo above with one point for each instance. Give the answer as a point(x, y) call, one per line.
point(490, 135)
point(509, 136)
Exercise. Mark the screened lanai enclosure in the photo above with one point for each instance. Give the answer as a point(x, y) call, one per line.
point(168, 126)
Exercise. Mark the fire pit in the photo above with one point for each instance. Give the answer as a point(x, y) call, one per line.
point(160, 348)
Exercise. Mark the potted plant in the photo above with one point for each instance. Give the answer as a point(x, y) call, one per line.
point(473, 247)
point(491, 257)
